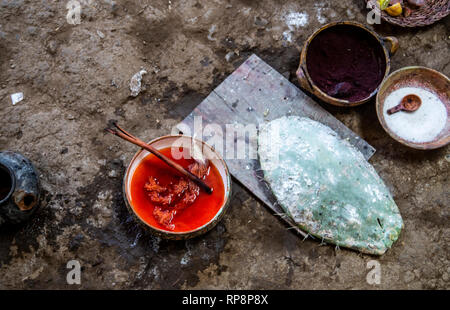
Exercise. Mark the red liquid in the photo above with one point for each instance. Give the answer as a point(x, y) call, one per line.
point(202, 211)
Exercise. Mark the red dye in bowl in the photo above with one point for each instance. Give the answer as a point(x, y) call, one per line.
point(196, 215)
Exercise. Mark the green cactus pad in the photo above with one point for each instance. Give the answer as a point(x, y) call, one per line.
point(326, 186)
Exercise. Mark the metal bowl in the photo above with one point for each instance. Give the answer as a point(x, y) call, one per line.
point(210, 153)
point(428, 79)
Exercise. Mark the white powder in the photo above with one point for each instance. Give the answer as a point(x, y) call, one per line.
point(287, 35)
point(295, 20)
point(319, 12)
point(423, 125)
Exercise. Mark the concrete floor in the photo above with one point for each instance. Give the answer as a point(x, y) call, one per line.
point(75, 79)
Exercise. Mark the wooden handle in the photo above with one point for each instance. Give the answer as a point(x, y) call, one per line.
point(395, 109)
point(130, 138)
point(174, 165)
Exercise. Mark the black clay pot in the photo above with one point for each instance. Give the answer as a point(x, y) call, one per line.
point(19, 189)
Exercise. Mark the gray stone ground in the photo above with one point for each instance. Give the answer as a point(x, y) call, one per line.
point(75, 79)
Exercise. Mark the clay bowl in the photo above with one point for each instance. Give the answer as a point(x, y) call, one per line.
point(211, 154)
point(307, 83)
point(428, 79)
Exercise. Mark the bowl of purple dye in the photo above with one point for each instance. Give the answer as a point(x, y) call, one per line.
point(345, 63)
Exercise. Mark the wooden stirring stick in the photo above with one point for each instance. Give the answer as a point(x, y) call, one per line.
point(130, 138)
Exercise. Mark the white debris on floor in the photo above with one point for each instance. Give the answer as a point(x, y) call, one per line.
point(320, 13)
point(100, 34)
point(136, 83)
point(16, 98)
point(211, 32)
point(294, 20)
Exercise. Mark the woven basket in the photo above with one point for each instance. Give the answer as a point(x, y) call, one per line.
point(430, 13)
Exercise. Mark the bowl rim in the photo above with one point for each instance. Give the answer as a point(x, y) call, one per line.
point(415, 145)
point(337, 101)
point(181, 234)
